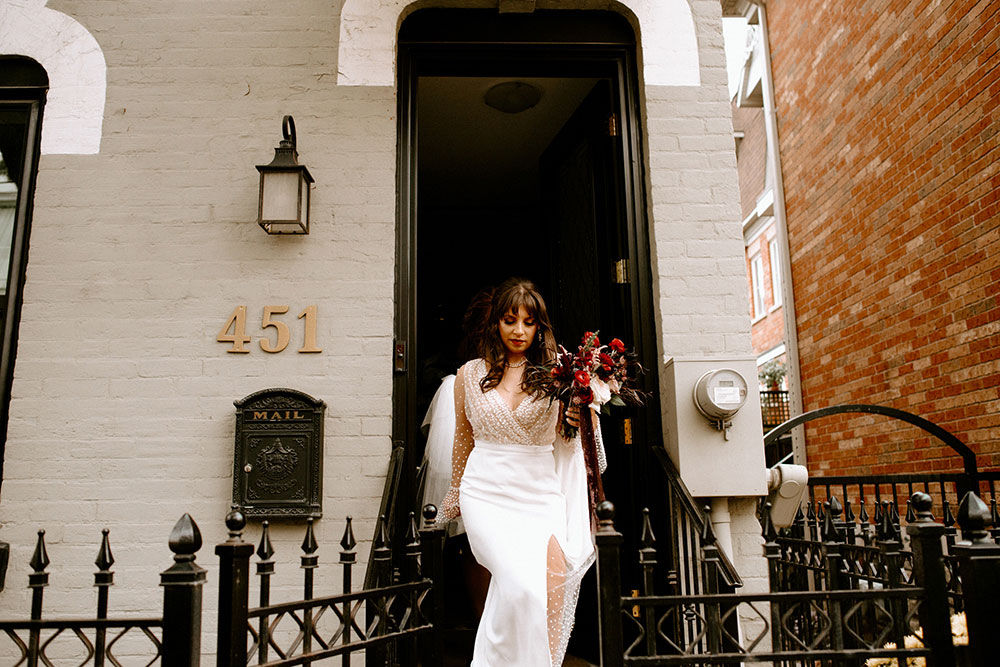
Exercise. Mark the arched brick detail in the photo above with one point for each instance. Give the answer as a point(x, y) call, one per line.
point(74, 62)
point(367, 50)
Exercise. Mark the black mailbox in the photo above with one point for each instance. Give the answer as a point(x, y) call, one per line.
point(278, 463)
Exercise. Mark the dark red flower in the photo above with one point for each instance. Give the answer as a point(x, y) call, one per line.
point(588, 336)
point(582, 378)
point(584, 397)
point(617, 345)
point(606, 360)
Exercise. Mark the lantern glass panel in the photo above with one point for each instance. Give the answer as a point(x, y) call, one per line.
point(280, 196)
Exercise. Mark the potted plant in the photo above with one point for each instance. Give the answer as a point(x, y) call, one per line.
point(771, 374)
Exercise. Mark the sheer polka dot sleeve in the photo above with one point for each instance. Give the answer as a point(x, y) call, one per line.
point(461, 448)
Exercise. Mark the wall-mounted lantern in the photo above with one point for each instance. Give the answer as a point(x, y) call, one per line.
point(283, 207)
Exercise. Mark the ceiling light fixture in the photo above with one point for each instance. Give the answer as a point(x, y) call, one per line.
point(513, 96)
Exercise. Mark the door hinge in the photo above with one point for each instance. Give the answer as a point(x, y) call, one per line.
point(399, 356)
point(621, 272)
point(627, 431)
point(613, 125)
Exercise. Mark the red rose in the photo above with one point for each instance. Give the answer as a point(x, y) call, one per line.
point(582, 378)
point(606, 361)
point(617, 345)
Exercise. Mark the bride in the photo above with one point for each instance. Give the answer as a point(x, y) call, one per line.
point(521, 490)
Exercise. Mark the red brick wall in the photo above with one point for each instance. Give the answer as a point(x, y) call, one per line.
point(750, 155)
point(890, 147)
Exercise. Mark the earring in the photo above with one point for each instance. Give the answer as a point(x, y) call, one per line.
point(541, 337)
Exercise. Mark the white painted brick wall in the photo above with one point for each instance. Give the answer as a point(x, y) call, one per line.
point(121, 411)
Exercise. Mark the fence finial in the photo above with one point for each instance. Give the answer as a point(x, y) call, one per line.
point(381, 534)
point(848, 512)
point(605, 516)
point(947, 518)
point(829, 529)
point(430, 513)
point(40, 559)
point(185, 539)
point(973, 517)
point(309, 545)
point(235, 523)
point(863, 513)
point(265, 550)
point(104, 559)
point(412, 532)
point(648, 540)
point(888, 526)
point(347, 542)
point(707, 532)
point(921, 503)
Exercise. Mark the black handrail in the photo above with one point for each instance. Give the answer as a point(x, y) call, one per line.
point(388, 508)
point(694, 513)
point(968, 456)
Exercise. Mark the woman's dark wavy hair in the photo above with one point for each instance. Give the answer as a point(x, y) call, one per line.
point(508, 297)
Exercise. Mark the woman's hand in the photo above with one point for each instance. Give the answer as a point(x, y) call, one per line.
point(450, 507)
point(572, 416)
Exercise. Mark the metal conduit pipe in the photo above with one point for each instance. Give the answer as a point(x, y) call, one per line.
point(773, 165)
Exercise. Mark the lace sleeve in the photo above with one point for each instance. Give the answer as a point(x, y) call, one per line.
point(461, 448)
point(602, 458)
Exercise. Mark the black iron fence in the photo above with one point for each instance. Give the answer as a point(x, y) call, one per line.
point(392, 622)
point(171, 639)
point(829, 603)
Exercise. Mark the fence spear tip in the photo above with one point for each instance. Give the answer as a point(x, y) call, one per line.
point(412, 531)
point(309, 545)
point(40, 559)
point(647, 539)
point(104, 559)
point(347, 542)
point(265, 550)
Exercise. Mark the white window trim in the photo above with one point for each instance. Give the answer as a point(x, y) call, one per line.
point(774, 260)
point(773, 353)
point(757, 276)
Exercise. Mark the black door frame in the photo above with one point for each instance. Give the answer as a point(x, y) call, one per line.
point(553, 43)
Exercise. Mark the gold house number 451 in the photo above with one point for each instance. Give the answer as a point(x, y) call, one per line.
point(237, 324)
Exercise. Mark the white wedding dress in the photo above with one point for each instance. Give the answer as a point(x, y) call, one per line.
point(523, 496)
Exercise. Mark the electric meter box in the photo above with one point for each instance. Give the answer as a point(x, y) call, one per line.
point(696, 437)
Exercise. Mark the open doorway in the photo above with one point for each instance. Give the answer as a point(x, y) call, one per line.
point(518, 156)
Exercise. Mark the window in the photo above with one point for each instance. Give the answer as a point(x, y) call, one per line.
point(757, 285)
point(23, 84)
point(772, 251)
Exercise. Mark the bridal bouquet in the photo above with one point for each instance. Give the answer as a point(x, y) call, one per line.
point(595, 376)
